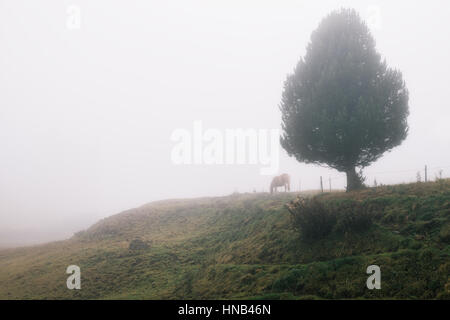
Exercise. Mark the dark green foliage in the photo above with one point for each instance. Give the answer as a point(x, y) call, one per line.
point(407, 274)
point(311, 217)
point(342, 106)
point(445, 234)
point(352, 216)
point(138, 244)
point(290, 281)
point(316, 219)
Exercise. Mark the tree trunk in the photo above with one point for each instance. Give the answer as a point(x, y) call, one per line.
point(353, 180)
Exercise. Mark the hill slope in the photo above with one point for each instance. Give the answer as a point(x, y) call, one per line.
point(244, 246)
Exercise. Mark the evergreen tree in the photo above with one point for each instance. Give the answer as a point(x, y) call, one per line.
point(343, 107)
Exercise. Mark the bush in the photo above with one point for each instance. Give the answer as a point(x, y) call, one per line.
point(444, 234)
point(138, 244)
point(311, 217)
point(290, 281)
point(315, 220)
point(352, 216)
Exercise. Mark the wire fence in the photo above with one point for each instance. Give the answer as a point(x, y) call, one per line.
point(420, 174)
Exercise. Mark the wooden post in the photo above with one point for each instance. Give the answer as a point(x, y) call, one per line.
point(299, 185)
point(426, 173)
point(321, 184)
point(329, 180)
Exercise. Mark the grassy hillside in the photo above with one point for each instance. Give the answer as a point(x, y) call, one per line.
point(244, 246)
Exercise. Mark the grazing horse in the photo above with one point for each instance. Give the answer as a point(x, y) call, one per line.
point(280, 181)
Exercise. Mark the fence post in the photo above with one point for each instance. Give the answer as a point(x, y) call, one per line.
point(426, 178)
point(321, 184)
point(329, 180)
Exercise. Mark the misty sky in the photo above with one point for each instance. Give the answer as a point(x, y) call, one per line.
point(88, 105)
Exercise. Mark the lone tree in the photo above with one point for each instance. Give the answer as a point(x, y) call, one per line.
point(343, 107)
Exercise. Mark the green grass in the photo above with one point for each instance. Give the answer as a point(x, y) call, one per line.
point(244, 247)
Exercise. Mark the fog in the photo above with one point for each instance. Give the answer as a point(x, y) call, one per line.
point(91, 93)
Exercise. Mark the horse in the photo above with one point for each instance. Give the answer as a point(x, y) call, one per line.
point(280, 181)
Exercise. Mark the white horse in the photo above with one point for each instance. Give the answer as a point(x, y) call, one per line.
point(281, 181)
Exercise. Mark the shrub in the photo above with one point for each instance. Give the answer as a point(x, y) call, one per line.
point(444, 234)
point(289, 281)
point(138, 244)
point(352, 216)
point(311, 217)
point(315, 220)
